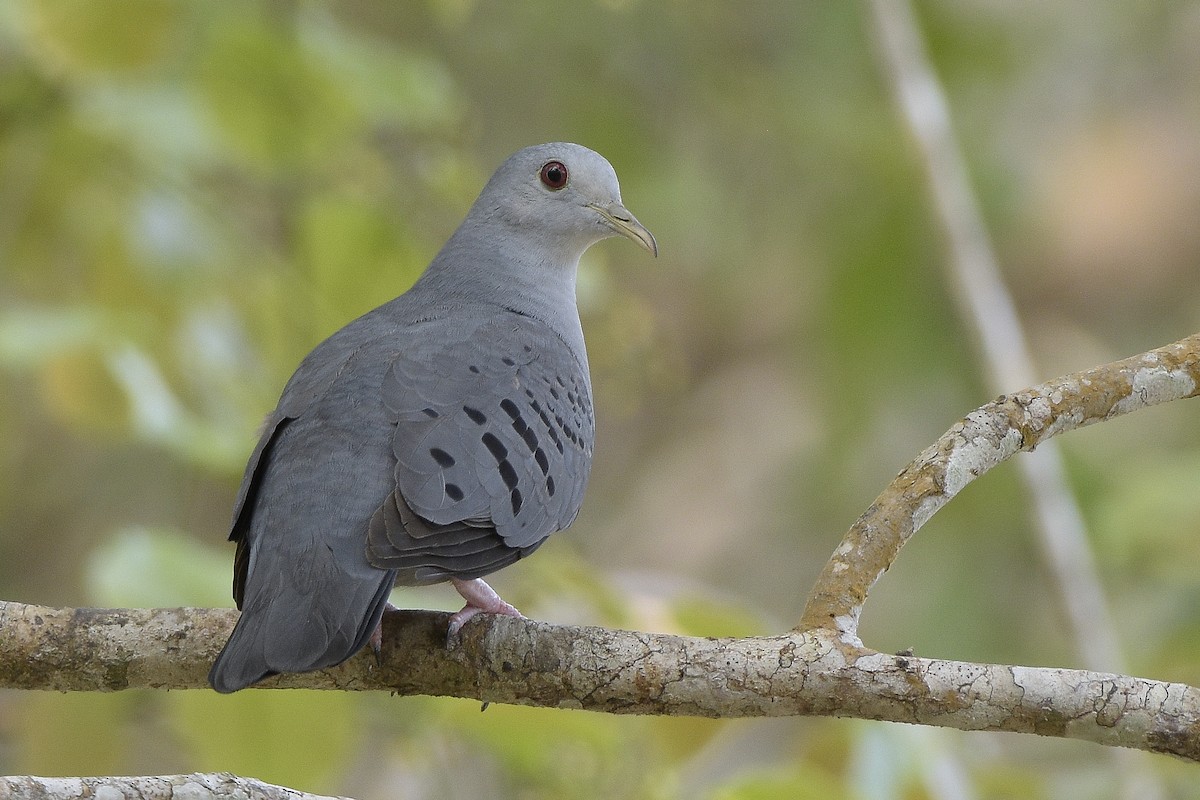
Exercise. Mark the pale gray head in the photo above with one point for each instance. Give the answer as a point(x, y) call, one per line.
point(562, 193)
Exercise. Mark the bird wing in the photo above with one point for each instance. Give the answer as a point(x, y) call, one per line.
point(309, 598)
point(493, 446)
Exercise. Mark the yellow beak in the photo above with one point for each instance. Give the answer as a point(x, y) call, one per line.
point(624, 223)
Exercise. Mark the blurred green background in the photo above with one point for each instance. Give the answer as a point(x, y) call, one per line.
point(192, 195)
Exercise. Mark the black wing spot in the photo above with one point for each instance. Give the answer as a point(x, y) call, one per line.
point(566, 429)
point(517, 501)
point(444, 459)
point(429, 412)
point(550, 485)
point(542, 461)
point(508, 474)
point(495, 447)
point(477, 416)
point(527, 433)
point(546, 421)
point(508, 362)
point(474, 369)
point(454, 492)
point(528, 348)
point(519, 425)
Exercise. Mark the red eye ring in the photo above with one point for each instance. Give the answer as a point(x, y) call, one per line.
point(554, 175)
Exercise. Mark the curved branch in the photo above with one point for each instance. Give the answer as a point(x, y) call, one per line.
point(983, 439)
point(820, 670)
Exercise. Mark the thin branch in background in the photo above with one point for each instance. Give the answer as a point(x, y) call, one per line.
point(987, 307)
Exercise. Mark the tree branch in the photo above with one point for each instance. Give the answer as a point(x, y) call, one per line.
point(217, 786)
point(986, 437)
point(818, 669)
point(506, 660)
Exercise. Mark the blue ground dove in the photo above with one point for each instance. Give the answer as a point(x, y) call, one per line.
point(440, 437)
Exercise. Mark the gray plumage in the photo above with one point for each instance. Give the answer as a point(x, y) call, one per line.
point(442, 436)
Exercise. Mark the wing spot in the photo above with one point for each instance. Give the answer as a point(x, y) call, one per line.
point(519, 425)
point(495, 447)
point(474, 369)
point(566, 429)
point(546, 421)
point(550, 485)
point(542, 461)
point(477, 416)
point(508, 362)
point(444, 459)
point(454, 492)
point(517, 501)
point(527, 433)
point(429, 412)
point(508, 474)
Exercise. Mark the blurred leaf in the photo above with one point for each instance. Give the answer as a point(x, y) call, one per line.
point(701, 616)
point(389, 84)
point(76, 734)
point(107, 36)
point(298, 738)
point(81, 391)
point(270, 101)
point(163, 123)
point(151, 568)
point(800, 783)
point(356, 259)
point(1149, 523)
point(32, 336)
point(559, 579)
point(570, 755)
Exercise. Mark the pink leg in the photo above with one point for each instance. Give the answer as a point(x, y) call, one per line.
point(479, 597)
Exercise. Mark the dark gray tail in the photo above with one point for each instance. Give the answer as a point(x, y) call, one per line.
point(241, 661)
point(298, 636)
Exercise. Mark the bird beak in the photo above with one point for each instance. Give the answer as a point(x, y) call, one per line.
point(620, 220)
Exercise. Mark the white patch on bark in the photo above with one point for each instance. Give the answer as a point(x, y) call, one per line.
point(1154, 385)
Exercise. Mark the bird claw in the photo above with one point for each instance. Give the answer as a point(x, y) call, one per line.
point(480, 598)
point(375, 640)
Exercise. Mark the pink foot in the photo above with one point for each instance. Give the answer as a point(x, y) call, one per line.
point(480, 598)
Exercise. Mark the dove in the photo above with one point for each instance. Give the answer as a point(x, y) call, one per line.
point(440, 437)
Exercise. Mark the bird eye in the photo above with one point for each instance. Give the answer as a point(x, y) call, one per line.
point(554, 174)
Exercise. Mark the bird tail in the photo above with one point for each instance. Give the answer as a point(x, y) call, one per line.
point(283, 636)
point(242, 661)
point(237, 666)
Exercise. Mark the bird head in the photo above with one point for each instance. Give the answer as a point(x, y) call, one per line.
point(565, 191)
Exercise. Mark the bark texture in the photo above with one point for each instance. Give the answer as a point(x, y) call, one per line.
point(820, 668)
point(983, 439)
point(217, 786)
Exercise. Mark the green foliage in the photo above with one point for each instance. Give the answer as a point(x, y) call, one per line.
point(298, 738)
point(140, 568)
